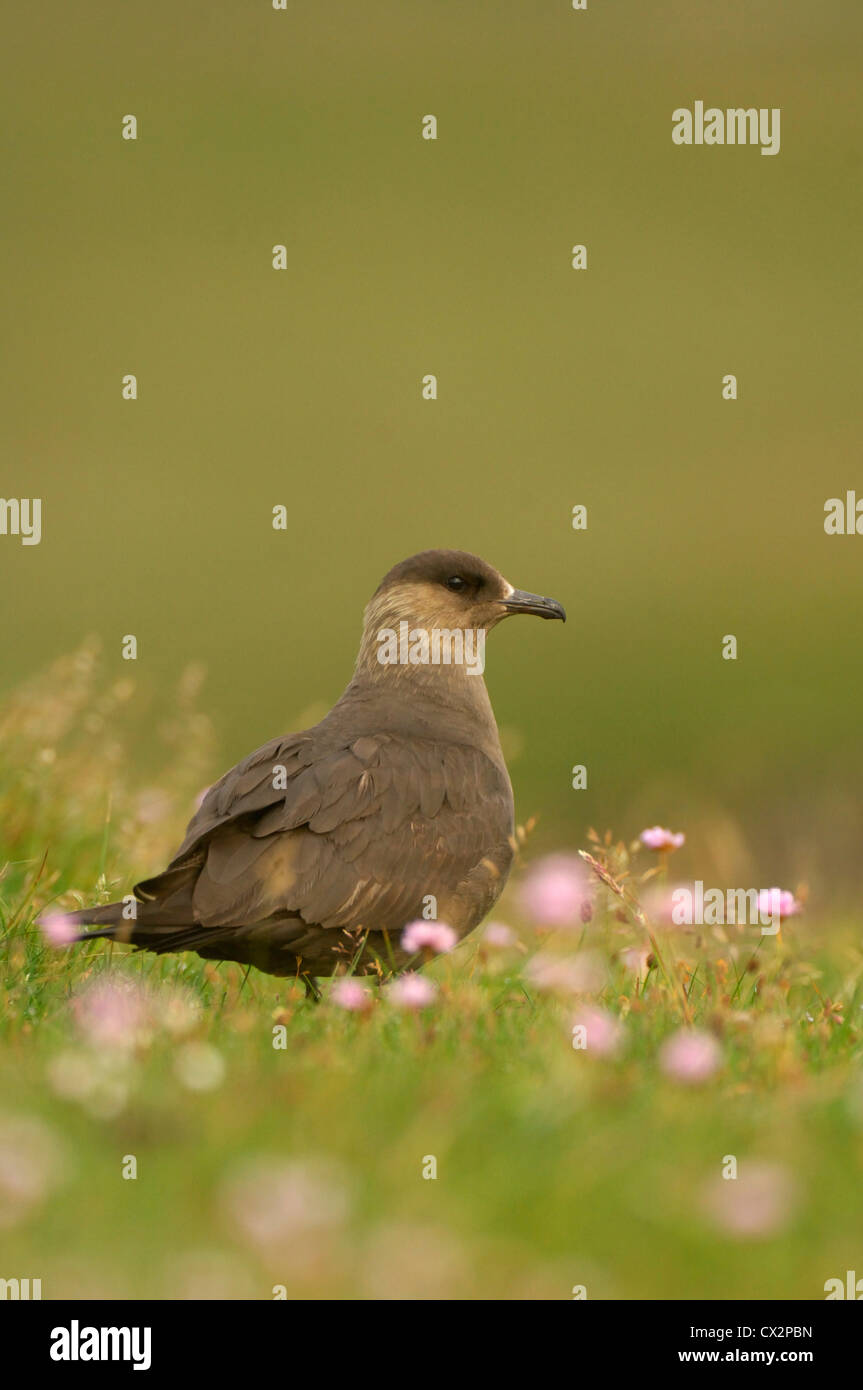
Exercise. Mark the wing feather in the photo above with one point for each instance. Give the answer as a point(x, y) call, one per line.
point(359, 836)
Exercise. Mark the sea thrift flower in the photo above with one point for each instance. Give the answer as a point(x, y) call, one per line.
point(57, 931)
point(581, 974)
point(499, 936)
point(690, 1056)
point(199, 1067)
point(655, 837)
point(635, 958)
point(412, 991)
point(177, 1010)
point(111, 1012)
point(777, 902)
point(754, 1205)
point(434, 937)
point(30, 1166)
point(275, 1203)
point(77, 1074)
point(659, 902)
point(352, 996)
point(602, 1034)
point(207, 1275)
point(554, 891)
point(100, 1081)
point(405, 1260)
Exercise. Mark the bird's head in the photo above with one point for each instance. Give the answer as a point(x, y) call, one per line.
point(442, 593)
point(451, 589)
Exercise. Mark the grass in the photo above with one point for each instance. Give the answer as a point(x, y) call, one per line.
point(300, 1167)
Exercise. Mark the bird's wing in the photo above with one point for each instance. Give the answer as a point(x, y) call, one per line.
point(249, 787)
point(358, 836)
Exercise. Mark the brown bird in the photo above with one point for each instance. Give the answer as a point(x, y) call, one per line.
point(316, 850)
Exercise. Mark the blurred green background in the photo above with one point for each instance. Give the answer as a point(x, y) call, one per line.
point(556, 387)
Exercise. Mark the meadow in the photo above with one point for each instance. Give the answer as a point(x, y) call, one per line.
point(559, 1112)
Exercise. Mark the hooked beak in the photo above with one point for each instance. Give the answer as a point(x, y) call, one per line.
point(519, 601)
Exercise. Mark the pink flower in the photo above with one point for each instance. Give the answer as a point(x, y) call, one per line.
point(555, 890)
point(111, 1012)
point(31, 1165)
point(350, 995)
point(199, 1067)
point(690, 1056)
point(412, 991)
point(581, 974)
point(634, 958)
point(777, 902)
point(499, 936)
point(434, 937)
point(407, 1260)
point(177, 1010)
point(655, 837)
point(602, 1034)
point(56, 930)
point(276, 1203)
point(658, 902)
point(756, 1204)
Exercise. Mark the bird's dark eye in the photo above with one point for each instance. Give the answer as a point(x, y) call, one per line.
point(456, 583)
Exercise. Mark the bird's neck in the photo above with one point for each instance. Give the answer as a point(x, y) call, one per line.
point(448, 699)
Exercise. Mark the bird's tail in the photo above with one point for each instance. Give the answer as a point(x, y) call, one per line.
point(161, 907)
point(109, 919)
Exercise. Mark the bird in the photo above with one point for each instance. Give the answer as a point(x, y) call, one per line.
point(311, 856)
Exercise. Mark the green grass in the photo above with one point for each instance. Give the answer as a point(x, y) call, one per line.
point(555, 1167)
